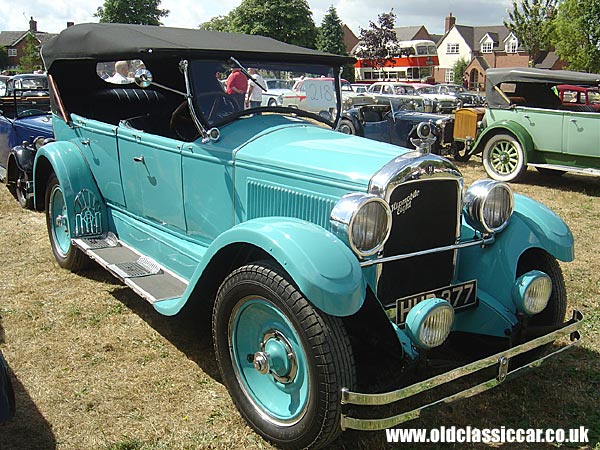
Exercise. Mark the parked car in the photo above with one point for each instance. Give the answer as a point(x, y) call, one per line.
point(579, 95)
point(3, 80)
point(398, 125)
point(27, 85)
point(391, 91)
point(465, 98)
point(276, 88)
point(442, 103)
point(24, 125)
point(360, 88)
point(7, 394)
point(526, 124)
point(317, 250)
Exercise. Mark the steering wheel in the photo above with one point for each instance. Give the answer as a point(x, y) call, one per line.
point(181, 123)
point(216, 105)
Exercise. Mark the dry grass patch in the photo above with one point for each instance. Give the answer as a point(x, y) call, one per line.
point(96, 368)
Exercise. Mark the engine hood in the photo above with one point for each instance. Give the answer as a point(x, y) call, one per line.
point(319, 152)
point(36, 125)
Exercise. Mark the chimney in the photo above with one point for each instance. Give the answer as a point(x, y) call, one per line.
point(32, 25)
point(70, 24)
point(450, 21)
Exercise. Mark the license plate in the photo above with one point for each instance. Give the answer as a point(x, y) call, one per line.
point(460, 296)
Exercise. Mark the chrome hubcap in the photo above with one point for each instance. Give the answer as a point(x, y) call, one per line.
point(276, 357)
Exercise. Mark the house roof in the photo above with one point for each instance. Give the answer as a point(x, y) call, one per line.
point(107, 41)
point(12, 38)
point(474, 35)
point(407, 33)
point(546, 60)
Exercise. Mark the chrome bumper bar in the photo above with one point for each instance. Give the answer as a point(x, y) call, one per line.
point(502, 359)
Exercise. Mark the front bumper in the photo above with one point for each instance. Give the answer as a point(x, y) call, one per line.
point(502, 360)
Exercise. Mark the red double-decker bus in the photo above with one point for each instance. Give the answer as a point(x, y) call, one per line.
point(415, 61)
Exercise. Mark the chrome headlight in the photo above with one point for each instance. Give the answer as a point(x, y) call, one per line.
point(531, 292)
point(363, 221)
point(429, 322)
point(488, 205)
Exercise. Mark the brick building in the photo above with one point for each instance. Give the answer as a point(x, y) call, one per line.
point(14, 41)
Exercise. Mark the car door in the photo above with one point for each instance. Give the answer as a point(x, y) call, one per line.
point(544, 125)
point(152, 179)
point(581, 133)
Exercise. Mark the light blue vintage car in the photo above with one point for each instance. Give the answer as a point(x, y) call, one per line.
point(316, 250)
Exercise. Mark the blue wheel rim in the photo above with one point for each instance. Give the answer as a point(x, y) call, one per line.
point(281, 403)
point(58, 216)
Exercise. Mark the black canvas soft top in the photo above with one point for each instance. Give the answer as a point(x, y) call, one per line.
point(95, 41)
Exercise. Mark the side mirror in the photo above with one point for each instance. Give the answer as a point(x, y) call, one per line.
point(143, 78)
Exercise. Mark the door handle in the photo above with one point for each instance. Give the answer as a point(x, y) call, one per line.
point(573, 120)
point(138, 159)
point(85, 142)
point(526, 117)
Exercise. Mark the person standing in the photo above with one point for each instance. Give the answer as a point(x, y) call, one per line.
point(121, 72)
point(237, 85)
point(254, 95)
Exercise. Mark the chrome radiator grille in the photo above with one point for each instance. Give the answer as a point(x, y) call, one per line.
point(425, 215)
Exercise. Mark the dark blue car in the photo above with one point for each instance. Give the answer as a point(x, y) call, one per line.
point(7, 395)
point(24, 126)
point(396, 123)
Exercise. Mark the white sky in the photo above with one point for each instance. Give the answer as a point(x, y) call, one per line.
point(52, 15)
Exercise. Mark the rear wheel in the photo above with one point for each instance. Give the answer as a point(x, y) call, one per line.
point(283, 361)
point(66, 254)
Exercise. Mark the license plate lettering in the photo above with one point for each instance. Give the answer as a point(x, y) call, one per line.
point(460, 296)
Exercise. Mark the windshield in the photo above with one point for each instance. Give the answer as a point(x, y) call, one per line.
point(594, 96)
point(221, 91)
point(278, 84)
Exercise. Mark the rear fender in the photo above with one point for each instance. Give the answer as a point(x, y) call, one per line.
point(86, 210)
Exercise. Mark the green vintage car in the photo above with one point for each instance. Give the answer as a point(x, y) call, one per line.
point(319, 254)
point(527, 124)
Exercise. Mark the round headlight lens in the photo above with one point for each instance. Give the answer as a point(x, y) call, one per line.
point(488, 205)
point(363, 221)
point(532, 292)
point(429, 322)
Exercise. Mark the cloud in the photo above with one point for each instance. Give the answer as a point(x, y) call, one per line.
point(52, 16)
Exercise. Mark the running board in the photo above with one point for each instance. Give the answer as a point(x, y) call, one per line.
point(141, 273)
point(585, 171)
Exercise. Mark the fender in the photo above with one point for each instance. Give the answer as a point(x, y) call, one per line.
point(532, 225)
point(75, 177)
point(324, 268)
point(360, 129)
point(23, 157)
point(510, 126)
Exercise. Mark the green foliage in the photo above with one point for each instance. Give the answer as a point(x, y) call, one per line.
point(31, 59)
point(141, 12)
point(577, 37)
point(331, 34)
point(219, 23)
point(458, 70)
point(378, 42)
point(532, 23)
point(288, 21)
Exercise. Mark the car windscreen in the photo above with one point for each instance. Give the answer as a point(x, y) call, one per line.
point(221, 89)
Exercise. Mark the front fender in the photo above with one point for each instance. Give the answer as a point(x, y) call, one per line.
point(532, 225)
point(75, 177)
point(24, 157)
point(504, 126)
point(323, 267)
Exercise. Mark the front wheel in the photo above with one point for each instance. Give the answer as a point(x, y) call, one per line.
point(461, 154)
point(283, 361)
point(23, 198)
point(347, 127)
point(504, 158)
point(66, 254)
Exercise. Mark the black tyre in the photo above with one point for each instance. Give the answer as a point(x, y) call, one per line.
point(272, 102)
point(21, 192)
point(504, 158)
point(283, 361)
point(66, 254)
point(460, 152)
point(347, 127)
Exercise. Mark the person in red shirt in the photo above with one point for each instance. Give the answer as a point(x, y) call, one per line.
point(237, 85)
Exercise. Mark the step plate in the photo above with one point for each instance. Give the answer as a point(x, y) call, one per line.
point(110, 240)
point(143, 267)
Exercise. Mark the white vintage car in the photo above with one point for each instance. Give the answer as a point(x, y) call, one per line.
point(442, 103)
point(276, 88)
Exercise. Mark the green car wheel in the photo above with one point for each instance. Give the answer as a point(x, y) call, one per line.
point(283, 361)
point(504, 158)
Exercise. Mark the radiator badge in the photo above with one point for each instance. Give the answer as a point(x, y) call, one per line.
point(405, 204)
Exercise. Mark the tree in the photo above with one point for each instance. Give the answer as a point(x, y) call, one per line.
point(378, 42)
point(458, 70)
point(288, 21)
point(532, 22)
point(31, 59)
point(141, 12)
point(331, 34)
point(219, 23)
point(577, 34)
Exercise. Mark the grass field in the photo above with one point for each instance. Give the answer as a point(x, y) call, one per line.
point(95, 367)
